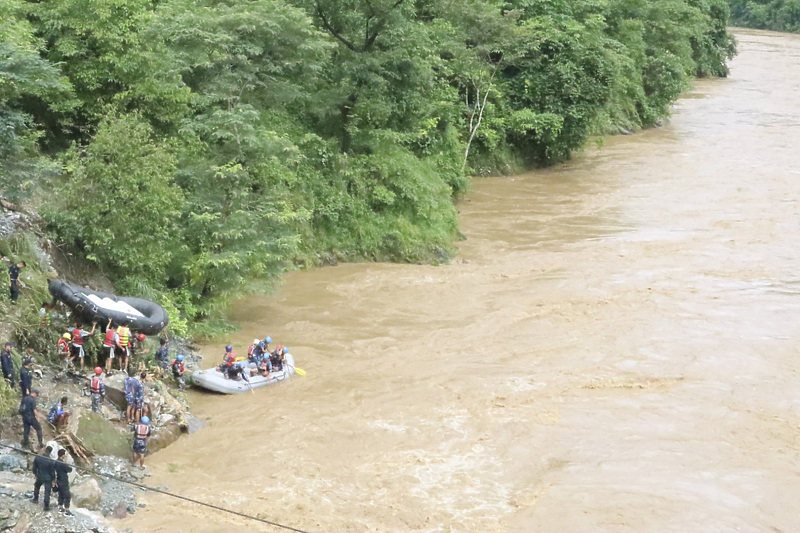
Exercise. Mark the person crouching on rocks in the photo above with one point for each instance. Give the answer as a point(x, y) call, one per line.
point(58, 415)
point(141, 432)
point(177, 371)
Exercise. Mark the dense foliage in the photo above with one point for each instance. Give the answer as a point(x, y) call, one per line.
point(194, 146)
point(779, 15)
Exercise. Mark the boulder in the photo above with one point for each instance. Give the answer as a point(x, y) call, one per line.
point(102, 437)
point(87, 494)
point(11, 461)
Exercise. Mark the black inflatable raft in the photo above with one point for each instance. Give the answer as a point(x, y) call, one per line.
point(141, 315)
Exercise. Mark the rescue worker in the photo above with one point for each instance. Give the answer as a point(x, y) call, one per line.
point(30, 415)
point(177, 371)
point(44, 470)
point(237, 370)
point(25, 378)
point(265, 367)
point(97, 389)
point(63, 349)
point(58, 415)
point(62, 470)
point(162, 354)
point(7, 364)
point(278, 357)
point(44, 315)
point(123, 349)
point(110, 342)
point(78, 334)
point(252, 348)
point(13, 275)
point(141, 432)
point(129, 384)
point(138, 395)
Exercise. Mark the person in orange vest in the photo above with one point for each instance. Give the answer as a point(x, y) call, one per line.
point(123, 349)
point(141, 432)
point(110, 343)
point(97, 389)
point(78, 334)
point(62, 349)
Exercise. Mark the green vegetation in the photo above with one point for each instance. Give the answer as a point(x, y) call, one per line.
point(778, 15)
point(192, 147)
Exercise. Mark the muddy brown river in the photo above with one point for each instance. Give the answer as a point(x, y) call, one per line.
point(614, 349)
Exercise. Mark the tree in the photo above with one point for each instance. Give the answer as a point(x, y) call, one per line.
point(119, 204)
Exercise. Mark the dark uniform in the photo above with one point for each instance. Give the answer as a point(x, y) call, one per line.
point(44, 470)
point(27, 409)
point(13, 273)
point(8, 366)
point(62, 480)
point(25, 381)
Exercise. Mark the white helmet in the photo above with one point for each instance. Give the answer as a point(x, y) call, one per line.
point(256, 341)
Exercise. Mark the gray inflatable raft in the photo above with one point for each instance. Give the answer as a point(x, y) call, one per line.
point(213, 380)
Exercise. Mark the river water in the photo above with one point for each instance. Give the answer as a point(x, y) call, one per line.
point(614, 349)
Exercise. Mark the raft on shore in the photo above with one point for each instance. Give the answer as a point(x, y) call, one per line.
point(97, 306)
point(214, 380)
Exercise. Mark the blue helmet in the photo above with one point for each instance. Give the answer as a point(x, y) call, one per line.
point(285, 349)
point(229, 348)
point(268, 339)
point(145, 420)
point(180, 358)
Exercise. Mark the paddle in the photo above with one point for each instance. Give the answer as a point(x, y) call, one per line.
point(297, 369)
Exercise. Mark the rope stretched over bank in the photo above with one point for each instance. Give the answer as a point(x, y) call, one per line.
point(178, 496)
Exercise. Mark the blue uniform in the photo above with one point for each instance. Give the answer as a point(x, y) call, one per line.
point(8, 366)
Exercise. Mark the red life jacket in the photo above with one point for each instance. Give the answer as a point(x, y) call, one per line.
point(141, 431)
point(76, 336)
point(95, 384)
point(109, 340)
point(250, 350)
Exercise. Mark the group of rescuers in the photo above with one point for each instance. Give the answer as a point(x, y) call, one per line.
point(259, 353)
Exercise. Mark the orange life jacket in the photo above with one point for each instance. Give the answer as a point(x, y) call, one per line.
point(95, 385)
point(76, 337)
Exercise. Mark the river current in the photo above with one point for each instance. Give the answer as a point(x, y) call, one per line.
point(615, 348)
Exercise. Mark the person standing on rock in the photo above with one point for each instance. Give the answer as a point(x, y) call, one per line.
point(141, 432)
point(97, 389)
point(7, 364)
point(162, 354)
point(62, 481)
point(13, 274)
point(44, 470)
point(78, 334)
point(30, 415)
point(123, 350)
point(110, 343)
point(128, 386)
point(25, 378)
point(63, 351)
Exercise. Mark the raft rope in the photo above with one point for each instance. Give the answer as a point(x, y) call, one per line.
point(178, 496)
